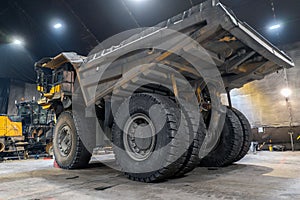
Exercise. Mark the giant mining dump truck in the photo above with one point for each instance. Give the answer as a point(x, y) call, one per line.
point(154, 94)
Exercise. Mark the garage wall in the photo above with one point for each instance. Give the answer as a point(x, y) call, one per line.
point(277, 136)
point(20, 91)
point(262, 102)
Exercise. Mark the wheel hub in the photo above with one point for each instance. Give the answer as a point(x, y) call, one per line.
point(65, 140)
point(139, 137)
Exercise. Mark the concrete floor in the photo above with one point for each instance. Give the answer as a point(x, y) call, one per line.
point(267, 175)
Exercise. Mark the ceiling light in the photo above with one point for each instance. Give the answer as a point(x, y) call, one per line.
point(57, 25)
point(286, 92)
point(276, 26)
point(17, 41)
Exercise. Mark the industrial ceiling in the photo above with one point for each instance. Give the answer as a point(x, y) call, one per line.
point(84, 24)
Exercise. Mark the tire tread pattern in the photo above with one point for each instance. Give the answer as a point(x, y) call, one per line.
point(229, 146)
point(248, 136)
point(179, 142)
point(197, 128)
point(82, 157)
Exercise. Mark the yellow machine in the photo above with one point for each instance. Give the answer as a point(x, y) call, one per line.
point(28, 132)
point(55, 82)
point(9, 128)
point(11, 134)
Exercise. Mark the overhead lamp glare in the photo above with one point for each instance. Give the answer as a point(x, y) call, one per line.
point(275, 26)
point(57, 25)
point(17, 41)
point(286, 92)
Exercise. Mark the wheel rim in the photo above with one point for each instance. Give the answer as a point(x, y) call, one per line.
point(65, 140)
point(139, 137)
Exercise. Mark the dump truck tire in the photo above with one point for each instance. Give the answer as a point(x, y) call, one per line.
point(68, 149)
point(197, 130)
point(248, 136)
point(165, 148)
point(229, 145)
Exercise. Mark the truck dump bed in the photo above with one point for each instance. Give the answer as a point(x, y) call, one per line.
point(240, 53)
